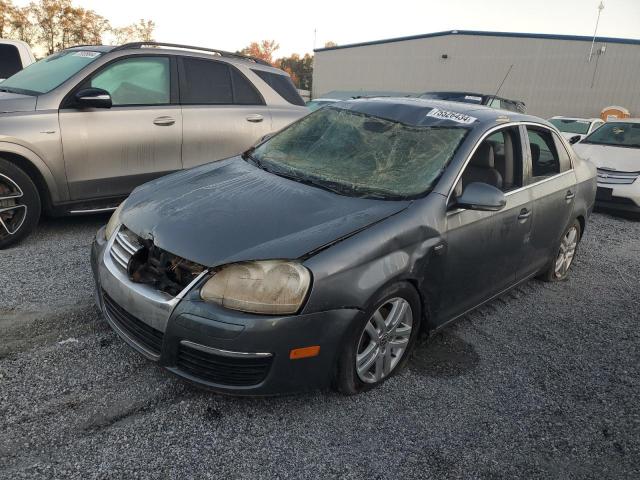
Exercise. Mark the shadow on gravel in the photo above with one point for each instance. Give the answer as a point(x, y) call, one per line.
point(618, 214)
point(443, 355)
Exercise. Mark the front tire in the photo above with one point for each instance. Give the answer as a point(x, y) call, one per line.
point(19, 204)
point(558, 268)
point(380, 342)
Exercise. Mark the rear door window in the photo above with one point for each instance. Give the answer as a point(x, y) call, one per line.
point(563, 155)
point(244, 93)
point(9, 60)
point(205, 82)
point(283, 85)
point(136, 81)
point(544, 155)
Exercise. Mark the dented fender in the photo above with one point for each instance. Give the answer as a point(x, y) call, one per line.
point(399, 248)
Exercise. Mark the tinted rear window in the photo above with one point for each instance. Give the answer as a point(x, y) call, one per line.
point(283, 85)
point(205, 82)
point(244, 93)
point(9, 60)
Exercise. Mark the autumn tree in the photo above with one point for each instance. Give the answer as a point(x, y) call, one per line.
point(23, 24)
point(141, 31)
point(330, 44)
point(263, 50)
point(300, 69)
point(6, 12)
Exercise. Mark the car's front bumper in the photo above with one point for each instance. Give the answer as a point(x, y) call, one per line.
point(225, 350)
point(619, 197)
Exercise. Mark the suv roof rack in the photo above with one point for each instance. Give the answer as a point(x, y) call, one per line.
point(222, 53)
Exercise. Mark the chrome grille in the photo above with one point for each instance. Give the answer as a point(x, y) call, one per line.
point(616, 177)
point(125, 245)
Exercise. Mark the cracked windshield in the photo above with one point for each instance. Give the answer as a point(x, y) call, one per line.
point(360, 155)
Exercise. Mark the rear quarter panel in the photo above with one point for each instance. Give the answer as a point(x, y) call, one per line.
point(586, 185)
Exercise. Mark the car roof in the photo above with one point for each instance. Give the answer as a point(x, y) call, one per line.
point(93, 48)
point(470, 94)
point(624, 120)
point(175, 49)
point(560, 117)
point(7, 41)
point(414, 111)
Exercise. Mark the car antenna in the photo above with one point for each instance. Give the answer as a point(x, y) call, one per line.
point(503, 80)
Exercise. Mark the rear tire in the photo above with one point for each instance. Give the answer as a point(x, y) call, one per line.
point(558, 267)
point(20, 205)
point(380, 342)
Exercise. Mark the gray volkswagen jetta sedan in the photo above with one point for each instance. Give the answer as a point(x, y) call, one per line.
point(316, 257)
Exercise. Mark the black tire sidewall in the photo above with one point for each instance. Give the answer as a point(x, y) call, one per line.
point(30, 198)
point(347, 380)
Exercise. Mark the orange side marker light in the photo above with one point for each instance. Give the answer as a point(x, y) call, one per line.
point(305, 352)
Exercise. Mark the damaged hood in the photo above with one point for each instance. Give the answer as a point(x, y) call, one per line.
point(625, 159)
point(14, 102)
point(231, 211)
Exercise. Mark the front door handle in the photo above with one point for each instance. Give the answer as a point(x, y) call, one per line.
point(164, 121)
point(255, 118)
point(524, 214)
point(569, 196)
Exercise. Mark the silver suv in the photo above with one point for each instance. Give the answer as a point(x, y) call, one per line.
point(82, 128)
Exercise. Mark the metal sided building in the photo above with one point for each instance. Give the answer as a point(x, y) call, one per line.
point(552, 74)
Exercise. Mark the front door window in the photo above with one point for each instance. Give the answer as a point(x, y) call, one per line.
point(136, 81)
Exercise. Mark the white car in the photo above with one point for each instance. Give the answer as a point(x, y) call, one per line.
point(14, 56)
point(570, 127)
point(614, 149)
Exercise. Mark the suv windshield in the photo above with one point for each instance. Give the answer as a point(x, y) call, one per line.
point(360, 155)
point(619, 134)
point(48, 73)
point(568, 125)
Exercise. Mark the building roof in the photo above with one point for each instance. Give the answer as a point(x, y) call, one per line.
point(486, 34)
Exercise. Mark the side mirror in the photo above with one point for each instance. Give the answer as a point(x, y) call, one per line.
point(575, 139)
point(93, 98)
point(483, 197)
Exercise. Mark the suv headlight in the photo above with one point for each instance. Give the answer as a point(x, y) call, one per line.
point(113, 223)
point(272, 287)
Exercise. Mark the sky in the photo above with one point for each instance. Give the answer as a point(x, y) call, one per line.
point(300, 26)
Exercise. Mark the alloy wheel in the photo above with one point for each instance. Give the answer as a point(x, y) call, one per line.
point(12, 212)
point(384, 340)
point(567, 251)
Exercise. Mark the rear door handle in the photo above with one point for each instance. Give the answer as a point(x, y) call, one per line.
point(255, 118)
point(524, 214)
point(570, 195)
point(164, 121)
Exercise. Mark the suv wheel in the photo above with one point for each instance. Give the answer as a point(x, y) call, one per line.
point(19, 204)
point(381, 342)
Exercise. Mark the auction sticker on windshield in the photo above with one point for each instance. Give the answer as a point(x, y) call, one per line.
point(85, 53)
point(453, 116)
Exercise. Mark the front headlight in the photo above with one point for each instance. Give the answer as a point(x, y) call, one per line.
point(272, 287)
point(113, 223)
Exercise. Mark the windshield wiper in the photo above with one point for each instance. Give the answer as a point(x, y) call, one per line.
point(248, 155)
point(332, 186)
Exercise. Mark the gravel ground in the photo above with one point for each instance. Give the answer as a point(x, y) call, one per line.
point(541, 383)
